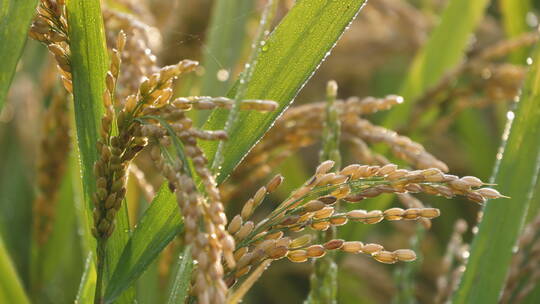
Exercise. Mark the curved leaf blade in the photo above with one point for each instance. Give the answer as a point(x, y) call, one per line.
point(157, 228)
point(287, 60)
point(182, 278)
point(89, 64)
point(503, 219)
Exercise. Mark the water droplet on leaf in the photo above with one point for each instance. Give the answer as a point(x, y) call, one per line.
point(222, 75)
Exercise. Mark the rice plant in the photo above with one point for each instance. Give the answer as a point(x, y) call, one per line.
point(267, 151)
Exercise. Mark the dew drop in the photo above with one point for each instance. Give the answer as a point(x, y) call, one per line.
point(264, 46)
point(510, 115)
point(222, 75)
point(531, 19)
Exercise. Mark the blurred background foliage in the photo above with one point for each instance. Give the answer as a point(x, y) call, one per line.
point(430, 51)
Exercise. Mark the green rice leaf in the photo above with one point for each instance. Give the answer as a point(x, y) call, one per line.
point(503, 219)
point(288, 58)
point(89, 62)
point(158, 226)
point(182, 277)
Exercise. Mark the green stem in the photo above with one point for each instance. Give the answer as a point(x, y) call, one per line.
point(101, 243)
point(323, 280)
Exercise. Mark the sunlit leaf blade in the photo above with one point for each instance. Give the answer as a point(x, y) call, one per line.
point(182, 278)
point(288, 58)
point(158, 226)
point(15, 18)
point(515, 173)
point(226, 36)
point(443, 51)
point(89, 64)
point(11, 290)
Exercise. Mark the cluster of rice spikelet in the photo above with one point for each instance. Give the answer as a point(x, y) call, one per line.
point(138, 57)
point(199, 209)
point(152, 114)
point(302, 126)
point(115, 152)
point(312, 206)
point(50, 28)
point(141, 112)
point(137, 118)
